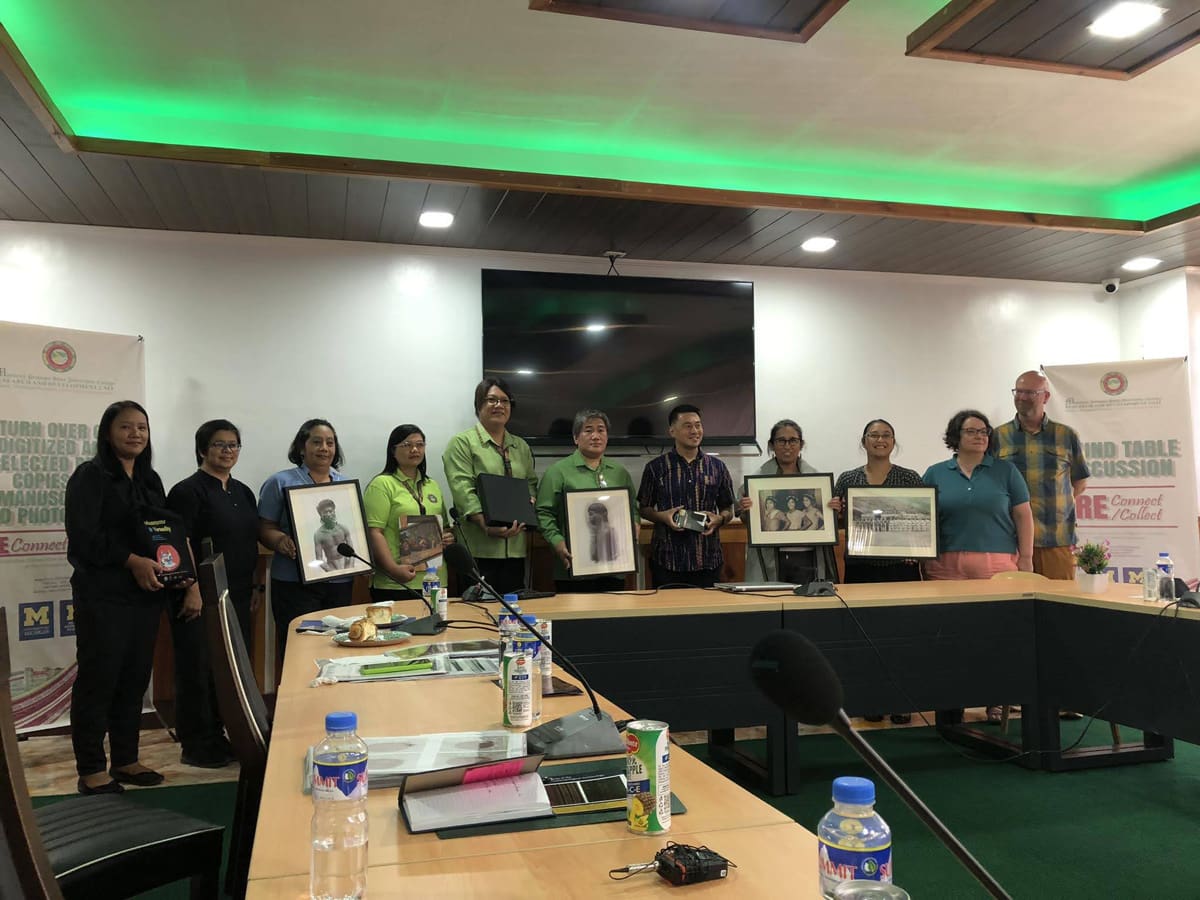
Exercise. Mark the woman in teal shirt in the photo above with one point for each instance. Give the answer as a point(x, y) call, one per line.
point(402, 490)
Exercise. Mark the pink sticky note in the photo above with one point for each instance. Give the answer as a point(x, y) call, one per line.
point(502, 769)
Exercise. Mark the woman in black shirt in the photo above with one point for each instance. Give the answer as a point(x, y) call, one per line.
point(118, 599)
point(218, 509)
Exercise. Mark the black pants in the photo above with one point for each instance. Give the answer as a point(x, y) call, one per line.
point(197, 721)
point(669, 578)
point(290, 599)
point(114, 652)
point(861, 573)
point(590, 585)
point(505, 575)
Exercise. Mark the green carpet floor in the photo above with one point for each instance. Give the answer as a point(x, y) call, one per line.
point(1126, 831)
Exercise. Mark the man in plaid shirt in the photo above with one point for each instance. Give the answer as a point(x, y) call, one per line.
point(1050, 457)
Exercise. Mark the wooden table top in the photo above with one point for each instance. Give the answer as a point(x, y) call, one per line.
point(429, 706)
point(772, 861)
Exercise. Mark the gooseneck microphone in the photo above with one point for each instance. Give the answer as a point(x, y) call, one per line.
point(796, 677)
point(431, 624)
point(589, 732)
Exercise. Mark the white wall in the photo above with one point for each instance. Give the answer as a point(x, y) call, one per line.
point(270, 331)
point(1153, 317)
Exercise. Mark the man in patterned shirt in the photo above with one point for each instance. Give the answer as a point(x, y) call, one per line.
point(1050, 457)
point(685, 478)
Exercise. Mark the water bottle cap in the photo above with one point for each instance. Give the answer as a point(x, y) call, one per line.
point(1163, 553)
point(851, 789)
point(341, 721)
point(529, 618)
point(512, 598)
point(432, 569)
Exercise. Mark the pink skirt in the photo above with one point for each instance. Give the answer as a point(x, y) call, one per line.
point(959, 565)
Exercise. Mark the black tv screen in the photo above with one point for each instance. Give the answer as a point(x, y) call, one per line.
point(632, 347)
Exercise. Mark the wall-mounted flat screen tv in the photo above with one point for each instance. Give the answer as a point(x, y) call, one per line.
point(632, 347)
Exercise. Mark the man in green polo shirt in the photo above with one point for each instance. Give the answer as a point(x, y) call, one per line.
point(585, 469)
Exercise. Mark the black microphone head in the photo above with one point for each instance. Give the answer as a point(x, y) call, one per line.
point(345, 549)
point(459, 559)
point(796, 677)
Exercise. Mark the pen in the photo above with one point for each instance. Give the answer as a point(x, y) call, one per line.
point(392, 668)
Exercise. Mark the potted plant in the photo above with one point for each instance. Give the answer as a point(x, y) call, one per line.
point(1091, 560)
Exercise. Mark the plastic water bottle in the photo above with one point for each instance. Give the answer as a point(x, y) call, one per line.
point(855, 844)
point(339, 822)
point(545, 627)
point(431, 588)
point(1166, 577)
point(508, 624)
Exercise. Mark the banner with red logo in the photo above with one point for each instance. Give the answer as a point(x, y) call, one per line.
point(54, 384)
point(1135, 421)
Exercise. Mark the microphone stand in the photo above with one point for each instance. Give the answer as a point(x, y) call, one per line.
point(430, 624)
point(589, 732)
point(841, 724)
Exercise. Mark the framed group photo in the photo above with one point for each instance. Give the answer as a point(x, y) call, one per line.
point(791, 510)
point(600, 532)
point(891, 522)
point(323, 517)
point(420, 540)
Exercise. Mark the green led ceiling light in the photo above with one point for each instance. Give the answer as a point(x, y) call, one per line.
point(115, 78)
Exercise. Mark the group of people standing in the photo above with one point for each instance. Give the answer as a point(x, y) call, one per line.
point(1006, 502)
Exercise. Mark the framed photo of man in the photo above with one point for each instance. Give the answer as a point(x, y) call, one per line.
point(599, 531)
point(791, 510)
point(891, 522)
point(324, 517)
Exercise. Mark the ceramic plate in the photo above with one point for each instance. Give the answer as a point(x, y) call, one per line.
point(381, 639)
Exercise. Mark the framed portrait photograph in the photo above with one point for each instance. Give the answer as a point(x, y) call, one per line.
point(324, 516)
point(420, 540)
point(891, 522)
point(600, 532)
point(791, 510)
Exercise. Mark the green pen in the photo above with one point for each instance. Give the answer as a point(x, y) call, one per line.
point(393, 668)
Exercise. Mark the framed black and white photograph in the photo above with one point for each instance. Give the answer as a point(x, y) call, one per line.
point(891, 522)
point(600, 532)
point(325, 516)
point(791, 510)
point(420, 540)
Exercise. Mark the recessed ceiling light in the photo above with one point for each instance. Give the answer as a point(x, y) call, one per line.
point(436, 219)
point(595, 326)
point(1142, 264)
point(524, 371)
point(1126, 19)
point(669, 399)
point(818, 244)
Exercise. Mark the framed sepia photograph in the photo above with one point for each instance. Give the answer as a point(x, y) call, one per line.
point(891, 522)
point(420, 540)
point(791, 510)
point(324, 516)
point(599, 532)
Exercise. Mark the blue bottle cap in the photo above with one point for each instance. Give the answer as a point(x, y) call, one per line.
point(512, 598)
point(529, 618)
point(341, 721)
point(851, 789)
point(1164, 553)
point(432, 569)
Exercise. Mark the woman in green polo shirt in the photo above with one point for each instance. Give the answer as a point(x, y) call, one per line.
point(401, 491)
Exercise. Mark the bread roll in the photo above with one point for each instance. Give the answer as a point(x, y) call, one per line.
point(362, 630)
point(380, 614)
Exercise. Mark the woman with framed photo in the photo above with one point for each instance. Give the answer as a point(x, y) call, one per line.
point(118, 599)
point(798, 565)
point(315, 455)
point(878, 441)
point(402, 493)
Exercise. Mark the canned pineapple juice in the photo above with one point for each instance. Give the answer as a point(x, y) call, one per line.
point(648, 776)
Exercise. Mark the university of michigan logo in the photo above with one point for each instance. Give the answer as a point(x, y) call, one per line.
point(35, 621)
point(66, 618)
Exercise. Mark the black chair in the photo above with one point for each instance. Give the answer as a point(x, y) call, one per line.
point(99, 848)
point(243, 712)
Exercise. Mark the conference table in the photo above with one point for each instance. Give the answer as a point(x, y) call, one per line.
point(571, 861)
point(682, 656)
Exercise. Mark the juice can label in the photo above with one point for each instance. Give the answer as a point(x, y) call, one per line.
point(517, 677)
point(648, 777)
